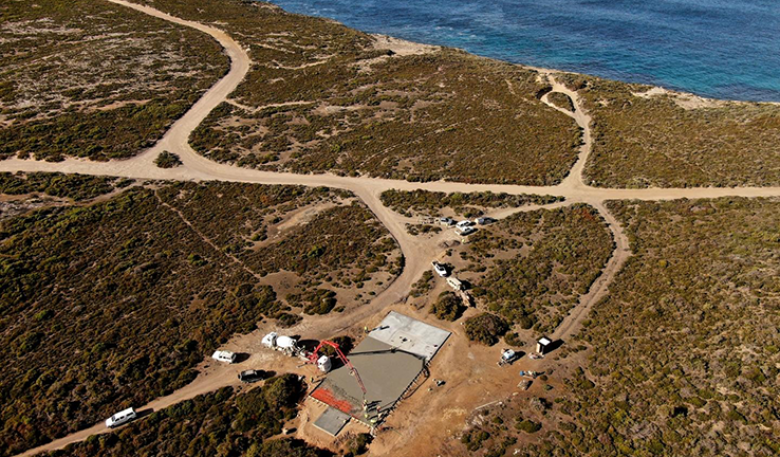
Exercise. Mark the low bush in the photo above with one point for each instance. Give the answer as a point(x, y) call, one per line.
point(486, 328)
point(167, 160)
point(448, 307)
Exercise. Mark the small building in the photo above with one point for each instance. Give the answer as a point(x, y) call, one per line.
point(543, 345)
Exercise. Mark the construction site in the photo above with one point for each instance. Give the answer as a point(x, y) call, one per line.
point(381, 370)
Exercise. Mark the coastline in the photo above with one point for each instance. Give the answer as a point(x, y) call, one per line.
point(689, 100)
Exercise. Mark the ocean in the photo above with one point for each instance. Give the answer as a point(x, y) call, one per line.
point(714, 48)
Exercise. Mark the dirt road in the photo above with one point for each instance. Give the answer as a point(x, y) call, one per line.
point(418, 252)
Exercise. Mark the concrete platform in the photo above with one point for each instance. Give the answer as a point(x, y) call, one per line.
point(332, 421)
point(410, 335)
point(388, 370)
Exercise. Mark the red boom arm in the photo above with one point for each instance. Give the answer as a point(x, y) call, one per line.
point(344, 359)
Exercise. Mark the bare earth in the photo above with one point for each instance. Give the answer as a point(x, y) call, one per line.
point(418, 252)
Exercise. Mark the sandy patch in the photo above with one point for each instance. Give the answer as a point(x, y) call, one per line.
point(683, 100)
point(402, 47)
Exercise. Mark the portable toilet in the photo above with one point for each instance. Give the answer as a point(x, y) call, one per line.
point(543, 345)
point(323, 363)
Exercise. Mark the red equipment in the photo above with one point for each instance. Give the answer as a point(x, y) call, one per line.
point(313, 359)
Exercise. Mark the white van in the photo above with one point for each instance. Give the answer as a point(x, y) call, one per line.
point(224, 356)
point(122, 417)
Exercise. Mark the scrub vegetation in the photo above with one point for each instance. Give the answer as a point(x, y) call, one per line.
point(114, 303)
point(92, 79)
point(421, 202)
point(672, 140)
point(220, 423)
point(561, 100)
point(70, 186)
point(533, 266)
point(682, 359)
point(321, 97)
point(446, 115)
point(167, 160)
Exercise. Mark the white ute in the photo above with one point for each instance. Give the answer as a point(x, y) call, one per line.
point(224, 356)
point(440, 269)
point(122, 417)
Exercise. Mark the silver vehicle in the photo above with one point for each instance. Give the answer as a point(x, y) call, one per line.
point(446, 221)
point(122, 417)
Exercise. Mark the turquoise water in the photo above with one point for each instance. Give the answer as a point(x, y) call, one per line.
point(715, 48)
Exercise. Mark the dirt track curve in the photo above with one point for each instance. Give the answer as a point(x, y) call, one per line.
point(417, 252)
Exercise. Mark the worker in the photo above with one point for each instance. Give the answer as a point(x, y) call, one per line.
point(365, 329)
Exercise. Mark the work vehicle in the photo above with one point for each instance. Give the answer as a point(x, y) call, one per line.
point(281, 343)
point(440, 269)
point(250, 376)
point(224, 356)
point(122, 417)
point(485, 220)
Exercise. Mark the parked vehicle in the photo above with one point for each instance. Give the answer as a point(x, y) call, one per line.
point(448, 221)
point(455, 284)
point(122, 417)
point(485, 220)
point(440, 269)
point(465, 231)
point(250, 376)
point(508, 356)
point(281, 343)
point(224, 356)
point(464, 224)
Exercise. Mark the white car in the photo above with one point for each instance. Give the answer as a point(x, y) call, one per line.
point(464, 224)
point(464, 231)
point(440, 269)
point(224, 356)
point(122, 417)
point(446, 221)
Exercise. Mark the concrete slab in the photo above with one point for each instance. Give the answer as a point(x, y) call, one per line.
point(386, 372)
point(332, 421)
point(410, 335)
point(388, 368)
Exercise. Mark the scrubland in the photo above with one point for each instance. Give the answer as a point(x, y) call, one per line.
point(115, 301)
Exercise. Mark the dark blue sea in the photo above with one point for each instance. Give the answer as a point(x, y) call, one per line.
point(726, 49)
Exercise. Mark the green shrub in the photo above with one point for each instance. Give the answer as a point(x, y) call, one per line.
point(528, 426)
point(448, 306)
point(486, 328)
point(167, 160)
